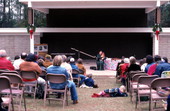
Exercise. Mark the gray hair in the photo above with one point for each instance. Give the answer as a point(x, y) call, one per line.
point(64, 58)
point(57, 60)
point(3, 53)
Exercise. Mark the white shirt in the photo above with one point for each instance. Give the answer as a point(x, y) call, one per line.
point(17, 63)
point(68, 68)
point(143, 67)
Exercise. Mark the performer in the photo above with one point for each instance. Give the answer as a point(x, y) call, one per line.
point(100, 60)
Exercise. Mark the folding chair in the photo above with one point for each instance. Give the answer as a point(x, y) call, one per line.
point(133, 85)
point(57, 79)
point(32, 86)
point(144, 92)
point(7, 100)
point(17, 89)
point(154, 97)
point(76, 72)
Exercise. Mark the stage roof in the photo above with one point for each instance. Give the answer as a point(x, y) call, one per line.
point(45, 5)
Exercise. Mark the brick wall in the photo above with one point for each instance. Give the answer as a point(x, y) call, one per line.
point(16, 44)
point(164, 45)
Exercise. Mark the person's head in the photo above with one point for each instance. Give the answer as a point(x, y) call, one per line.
point(165, 59)
point(122, 88)
point(126, 60)
point(48, 57)
point(72, 60)
point(30, 58)
point(40, 62)
point(142, 61)
point(57, 61)
point(89, 75)
point(157, 58)
point(64, 58)
point(149, 59)
point(80, 61)
point(41, 57)
point(100, 52)
point(16, 57)
point(23, 55)
point(3, 53)
point(68, 59)
point(132, 60)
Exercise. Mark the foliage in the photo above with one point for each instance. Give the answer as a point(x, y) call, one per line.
point(14, 14)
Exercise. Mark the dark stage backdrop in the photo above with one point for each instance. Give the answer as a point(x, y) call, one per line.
point(113, 44)
point(97, 18)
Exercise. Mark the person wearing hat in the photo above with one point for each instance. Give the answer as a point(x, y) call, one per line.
point(72, 63)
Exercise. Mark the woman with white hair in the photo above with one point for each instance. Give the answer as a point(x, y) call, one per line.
point(57, 69)
point(133, 66)
point(4, 63)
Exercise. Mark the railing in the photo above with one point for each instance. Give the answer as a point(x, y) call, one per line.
point(83, 53)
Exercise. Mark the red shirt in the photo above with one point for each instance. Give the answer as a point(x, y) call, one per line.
point(6, 64)
point(124, 68)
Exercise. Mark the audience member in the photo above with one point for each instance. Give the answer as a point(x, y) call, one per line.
point(67, 66)
point(81, 67)
point(90, 82)
point(30, 65)
point(152, 68)
point(16, 57)
point(114, 92)
point(4, 63)
point(19, 61)
point(149, 61)
point(123, 70)
point(40, 63)
point(162, 66)
point(143, 64)
point(133, 66)
point(47, 61)
point(72, 63)
point(57, 69)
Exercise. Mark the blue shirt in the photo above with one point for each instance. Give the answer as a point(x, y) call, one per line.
point(148, 66)
point(162, 66)
point(73, 66)
point(89, 82)
point(58, 70)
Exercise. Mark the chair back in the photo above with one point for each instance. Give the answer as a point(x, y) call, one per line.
point(14, 78)
point(56, 78)
point(146, 79)
point(132, 73)
point(165, 74)
point(75, 71)
point(160, 82)
point(28, 74)
point(5, 83)
point(136, 76)
point(11, 72)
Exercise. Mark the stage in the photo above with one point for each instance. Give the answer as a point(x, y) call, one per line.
point(92, 62)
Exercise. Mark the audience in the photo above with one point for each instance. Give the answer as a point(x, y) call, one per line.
point(72, 63)
point(4, 63)
point(149, 61)
point(81, 67)
point(57, 69)
point(47, 61)
point(143, 64)
point(67, 66)
point(19, 61)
